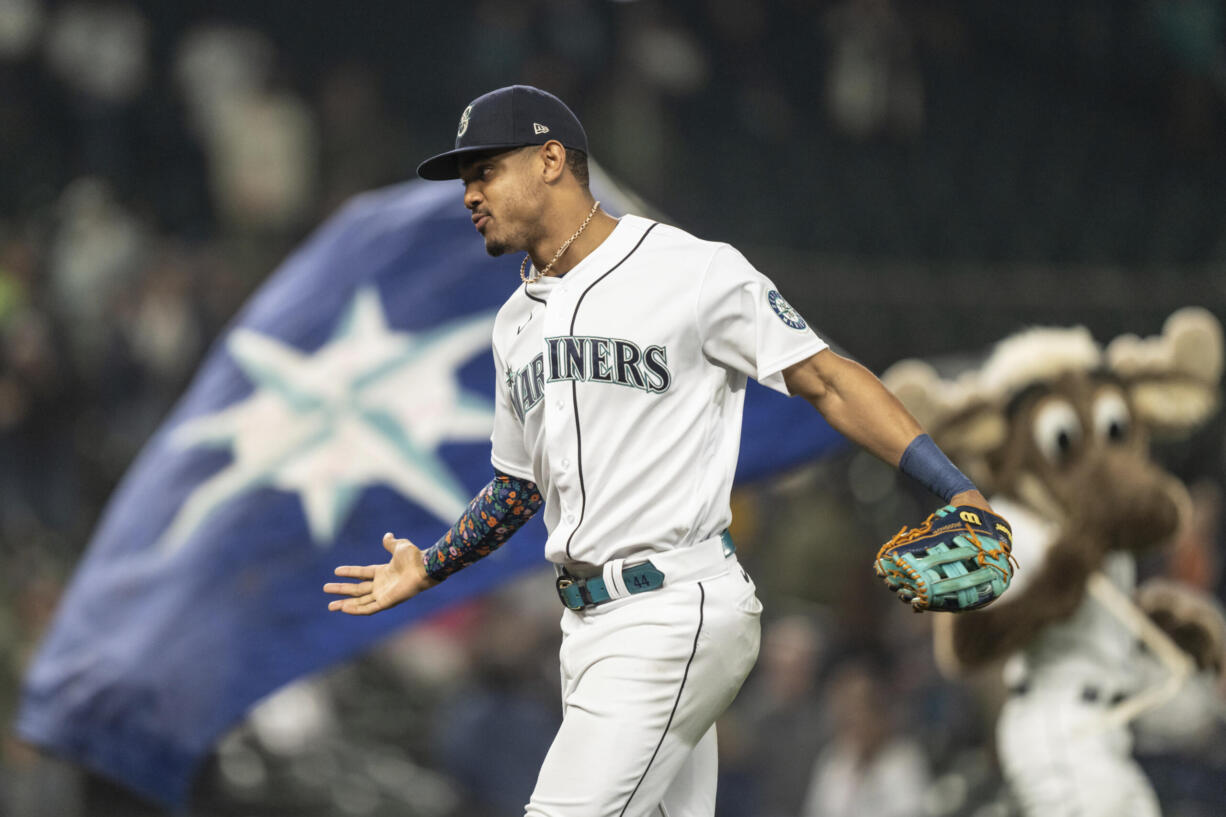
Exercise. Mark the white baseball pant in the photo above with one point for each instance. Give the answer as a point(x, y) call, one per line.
point(643, 680)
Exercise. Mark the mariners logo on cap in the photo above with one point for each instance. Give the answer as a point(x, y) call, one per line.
point(464, 121)
point(785, 311)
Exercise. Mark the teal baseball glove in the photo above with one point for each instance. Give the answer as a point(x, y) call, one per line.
point(959, 559)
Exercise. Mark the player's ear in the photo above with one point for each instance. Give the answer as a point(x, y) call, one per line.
point(553, 158)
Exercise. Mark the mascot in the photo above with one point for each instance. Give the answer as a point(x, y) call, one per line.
point(1056, 429)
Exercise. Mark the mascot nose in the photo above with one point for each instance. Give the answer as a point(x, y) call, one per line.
point(1141, 504)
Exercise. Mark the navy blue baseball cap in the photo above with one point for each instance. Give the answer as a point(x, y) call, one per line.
point(510, 117)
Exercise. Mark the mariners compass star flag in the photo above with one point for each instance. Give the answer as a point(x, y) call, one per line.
point(352, 395)
point(330, 424)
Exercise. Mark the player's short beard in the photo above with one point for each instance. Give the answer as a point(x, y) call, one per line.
point(525, 237)
point(501, 246)
point(519, 220)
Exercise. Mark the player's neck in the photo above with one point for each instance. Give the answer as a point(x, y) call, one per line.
point(567, 221)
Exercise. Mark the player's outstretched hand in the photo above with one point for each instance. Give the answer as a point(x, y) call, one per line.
point(381, 586)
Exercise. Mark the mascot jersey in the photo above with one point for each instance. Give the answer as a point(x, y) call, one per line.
point(1089, 646)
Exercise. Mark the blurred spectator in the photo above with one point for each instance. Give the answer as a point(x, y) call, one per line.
point(1191, 31)
point(263, 161)
point(96, 253)
point(668, 56)
point(37, 473)
point(164, 330)
point(361, 146)
point(493, 729)
point(21, 22)
point(871, 765)
point(658, 61)
point(216, 62)
point(260, 137)
point(779, 718)
point(30, 785)
point(872, 84)
point(944, 712)
point(501, 37)
point(100, 51)
point(1196, 558)
point(16, 276)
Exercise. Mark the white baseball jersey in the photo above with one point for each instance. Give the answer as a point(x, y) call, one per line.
point(622, 384)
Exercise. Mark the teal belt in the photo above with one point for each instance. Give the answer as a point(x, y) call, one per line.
point(578, 593)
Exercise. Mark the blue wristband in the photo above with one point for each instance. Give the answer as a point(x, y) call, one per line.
point(928, 465)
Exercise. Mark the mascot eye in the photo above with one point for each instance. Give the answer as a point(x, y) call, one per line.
point(1057, 430)
point(1111, 417)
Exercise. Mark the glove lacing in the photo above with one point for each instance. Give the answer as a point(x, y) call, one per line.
point(903, 570)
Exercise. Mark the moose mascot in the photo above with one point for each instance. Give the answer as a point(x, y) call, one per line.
point(1056, 429)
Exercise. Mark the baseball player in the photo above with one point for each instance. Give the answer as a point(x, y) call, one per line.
point(622, 362)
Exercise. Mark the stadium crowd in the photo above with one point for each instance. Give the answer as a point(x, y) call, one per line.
point(158, 160)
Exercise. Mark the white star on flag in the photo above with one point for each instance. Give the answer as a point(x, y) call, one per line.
point(370, 407)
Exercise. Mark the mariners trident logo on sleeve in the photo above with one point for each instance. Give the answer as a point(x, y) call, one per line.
point(785, 311)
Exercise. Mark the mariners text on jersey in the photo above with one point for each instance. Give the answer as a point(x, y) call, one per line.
point(589, 359)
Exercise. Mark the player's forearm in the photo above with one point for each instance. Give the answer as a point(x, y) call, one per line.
point(861, 408)
point(502, 508)
point(855, 403)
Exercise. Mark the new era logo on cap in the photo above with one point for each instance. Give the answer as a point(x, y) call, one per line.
point(507, 118)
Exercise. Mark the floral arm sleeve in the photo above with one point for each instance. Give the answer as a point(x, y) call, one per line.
point(502, 507)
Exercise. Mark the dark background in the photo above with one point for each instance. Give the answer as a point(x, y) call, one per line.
point(920, 178)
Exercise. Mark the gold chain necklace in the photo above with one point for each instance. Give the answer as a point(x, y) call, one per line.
point(523, 267)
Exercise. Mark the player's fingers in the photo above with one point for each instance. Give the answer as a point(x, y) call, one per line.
point(356, 571)
point(357, 607)
point(348, 588)
point(344, 605)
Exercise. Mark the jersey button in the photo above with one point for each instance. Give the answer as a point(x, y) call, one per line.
point(566, 463)
point(559, 405)
point(570, 519)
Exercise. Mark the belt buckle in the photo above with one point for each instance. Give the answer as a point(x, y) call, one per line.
point(564, 583)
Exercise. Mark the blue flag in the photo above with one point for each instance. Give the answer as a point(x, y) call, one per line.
point(352, 395)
